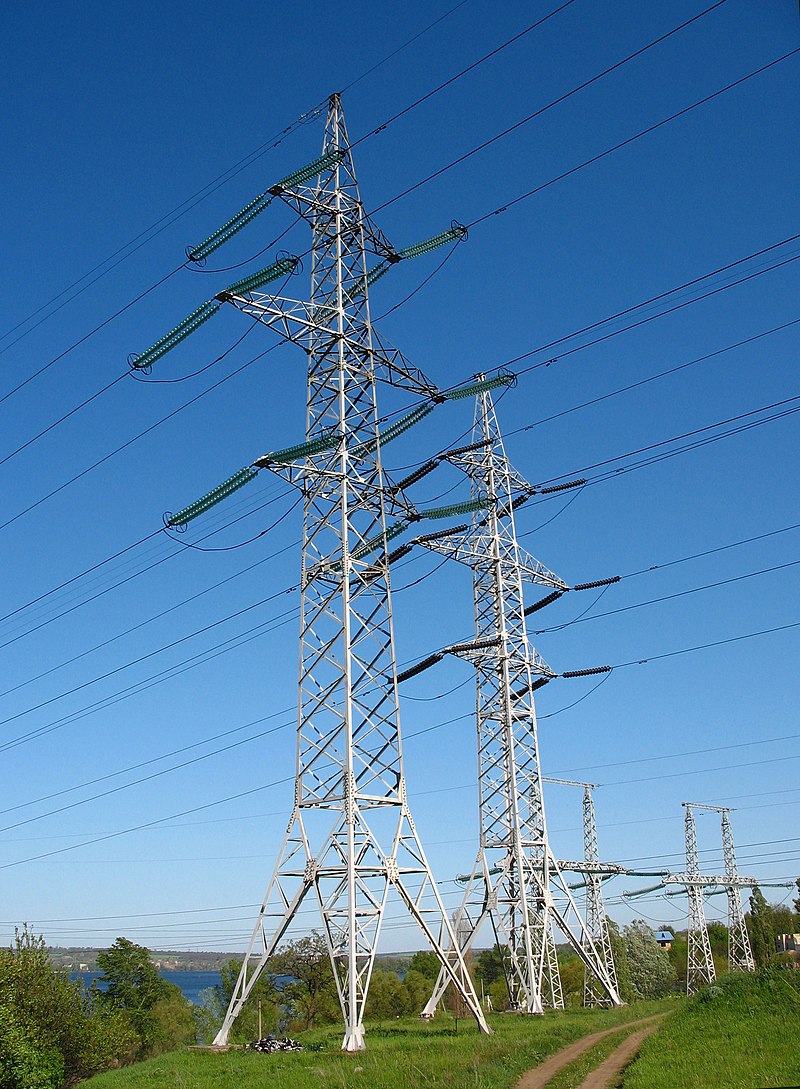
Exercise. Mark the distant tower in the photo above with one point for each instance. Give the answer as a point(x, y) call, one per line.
point(350, 839)
point(593, 871)
point(740, 955)
point(700, 967)
point(516, 880)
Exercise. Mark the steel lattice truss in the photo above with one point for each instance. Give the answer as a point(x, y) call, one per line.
point(596, 921)
point(516, 881)
point(700, 968)
point(351, 837)
point(740, 955)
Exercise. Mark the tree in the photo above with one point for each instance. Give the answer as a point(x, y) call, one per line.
point(427, 963)
point(760, 927)
point(132, 981)
point(489, 965)
point(155, 1008)
point(651, 972)
point(52, 1030)
point(310, 997)
point(620, 955)
point(571, 971)
point(245, 1028)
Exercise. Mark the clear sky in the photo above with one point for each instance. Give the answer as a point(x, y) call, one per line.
point(117, 115)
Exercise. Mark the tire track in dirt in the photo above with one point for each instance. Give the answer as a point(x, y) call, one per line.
point(541, 1075)
point(612, 1066)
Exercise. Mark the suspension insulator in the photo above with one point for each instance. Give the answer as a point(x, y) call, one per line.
point(478, 644)
point(563, 487)
point(452, 509)
point(480, 387)
point(456, 233)
point(462, 528)
point(282, 267)
point(398, 553)
point(206, 502)
point(229, 229)
point(586, 672)
point(394, 430)
point(537, 605)
point(420, 667)
point(375, 274)
point(171, 339)
point(599, 582)
point(417, 475)
point(468, 449)
point(319, 166)
point(540, 682)
point(327, 441)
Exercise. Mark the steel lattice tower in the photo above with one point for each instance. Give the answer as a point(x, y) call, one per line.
point(593, 871)
point(351, 837)
point(740, 955)
point(515, 874)
point(700, 967)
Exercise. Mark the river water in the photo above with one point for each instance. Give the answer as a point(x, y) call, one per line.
point(190, 983)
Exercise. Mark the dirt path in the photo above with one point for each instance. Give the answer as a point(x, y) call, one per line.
point(612, 1066)
point(541, 1075)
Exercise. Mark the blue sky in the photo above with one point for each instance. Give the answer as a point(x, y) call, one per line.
point(117, 115)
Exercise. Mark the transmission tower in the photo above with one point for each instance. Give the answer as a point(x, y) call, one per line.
point(700, 967)
point(350, 838)
point(740, 955)
point(594, 871)
point(516, 881)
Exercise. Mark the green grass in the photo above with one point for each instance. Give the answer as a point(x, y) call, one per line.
point(742, 1033)
point(406, 1054)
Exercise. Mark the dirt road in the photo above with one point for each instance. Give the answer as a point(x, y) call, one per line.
point(541, 1075)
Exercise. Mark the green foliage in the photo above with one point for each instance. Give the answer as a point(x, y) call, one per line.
point(155, 1009)
point(651, 973)
point(215, 1002)
point(391, 997)
point(760, 926)
point(426, 963)
point(311, 997)
point(620, 954)
point(25, 1064)
point(132, 980)
point(52, 1029)
point(489, 965)
point(572, 972)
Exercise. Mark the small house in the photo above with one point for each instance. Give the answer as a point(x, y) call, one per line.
point(665, 939)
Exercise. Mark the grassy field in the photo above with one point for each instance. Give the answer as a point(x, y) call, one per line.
point(404, 1055)
point(743, 1033)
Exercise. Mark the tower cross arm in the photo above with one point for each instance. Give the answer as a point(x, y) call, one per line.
point(534, 571)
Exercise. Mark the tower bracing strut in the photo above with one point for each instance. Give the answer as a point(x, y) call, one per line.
point(516, 881)
point(351, 839)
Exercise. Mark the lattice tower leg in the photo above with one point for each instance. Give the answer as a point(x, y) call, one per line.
point(700, 964)
point(740, 954)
